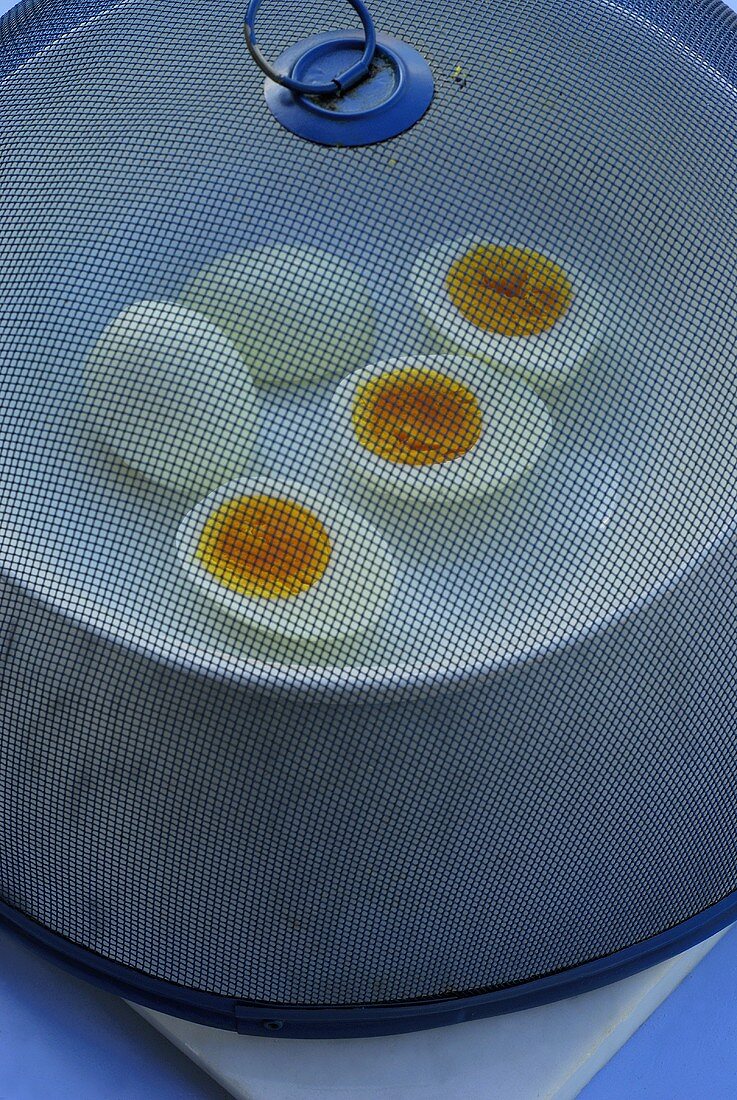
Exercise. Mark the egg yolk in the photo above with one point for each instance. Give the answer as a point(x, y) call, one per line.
point(416, 417)
point(509, 291)
point(265, 546)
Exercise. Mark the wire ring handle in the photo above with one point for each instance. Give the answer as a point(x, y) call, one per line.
point(341, 83)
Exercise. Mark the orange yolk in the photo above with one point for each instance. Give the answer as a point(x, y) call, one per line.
point(509, 291)
point(416, 417)
point(265, 546)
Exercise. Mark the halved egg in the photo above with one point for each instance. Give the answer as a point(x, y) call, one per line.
point(526, 312)
point(297, 566)
point(170, 396)
point(439, 428)
point(298, 316)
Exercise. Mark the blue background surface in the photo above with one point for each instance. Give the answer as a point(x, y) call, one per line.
point(61, 1038)
point(687, 1050)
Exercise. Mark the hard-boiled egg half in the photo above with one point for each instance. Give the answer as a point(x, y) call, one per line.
point(297, 566)
point(524, 311)
point(169, 394)
point(439, 428)
point(298, 316)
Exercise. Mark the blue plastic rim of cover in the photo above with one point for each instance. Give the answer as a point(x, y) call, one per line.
point(394, 96)
point(360, 1021)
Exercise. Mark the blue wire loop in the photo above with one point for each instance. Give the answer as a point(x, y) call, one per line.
point(340, 83)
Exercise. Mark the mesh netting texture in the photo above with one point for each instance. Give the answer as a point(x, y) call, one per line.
point(368, 618)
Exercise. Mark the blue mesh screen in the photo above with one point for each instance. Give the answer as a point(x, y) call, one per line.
point(366, 515)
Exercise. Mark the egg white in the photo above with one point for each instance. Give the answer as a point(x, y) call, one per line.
point(515, 433)
point(345, 602)
point(298, 316)
point(169, 394)
point(546, 360)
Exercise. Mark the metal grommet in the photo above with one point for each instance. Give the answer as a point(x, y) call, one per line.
point(342, 82)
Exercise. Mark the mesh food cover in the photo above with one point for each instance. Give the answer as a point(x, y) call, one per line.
point(367, 499)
